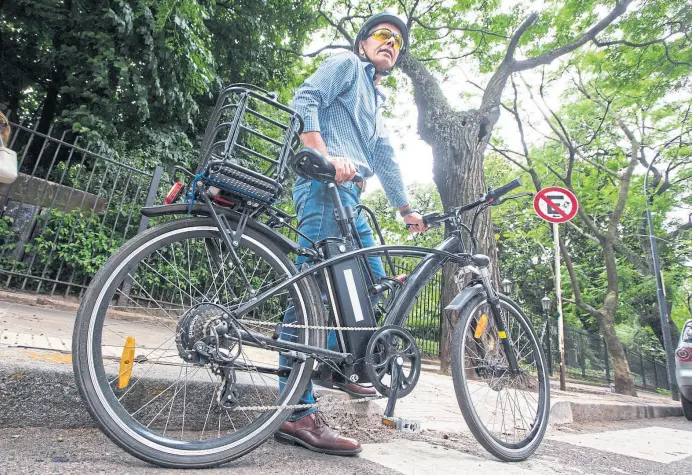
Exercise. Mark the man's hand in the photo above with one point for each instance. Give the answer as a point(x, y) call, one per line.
point(344, 167)
point(414, 222)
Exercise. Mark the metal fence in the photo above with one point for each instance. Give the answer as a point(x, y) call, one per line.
point(587, 359)
point(424, 318)
point(68, 210)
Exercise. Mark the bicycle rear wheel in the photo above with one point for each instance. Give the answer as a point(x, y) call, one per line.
point(162, 291)
point(507, 413)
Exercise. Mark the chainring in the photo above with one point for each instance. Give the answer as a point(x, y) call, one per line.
point(385, 345)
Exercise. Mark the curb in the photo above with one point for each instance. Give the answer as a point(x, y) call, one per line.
point(32, 396)
point(38, 397)
point(569, 412)
point(39, 300)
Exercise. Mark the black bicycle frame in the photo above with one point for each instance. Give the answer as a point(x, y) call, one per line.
point(339, 254)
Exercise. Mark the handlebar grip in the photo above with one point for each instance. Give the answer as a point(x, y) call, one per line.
point(498, 192)
point(358, 178)
point(429, 218)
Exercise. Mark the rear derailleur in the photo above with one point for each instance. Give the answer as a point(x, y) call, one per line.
point(206, 335)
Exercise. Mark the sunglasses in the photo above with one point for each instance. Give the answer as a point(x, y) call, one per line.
point(384, 34)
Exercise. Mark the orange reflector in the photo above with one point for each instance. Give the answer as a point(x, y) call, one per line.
point(389, 422)
point(502, 335)
point(126, 361)
point(173, 193)
point(480, 326)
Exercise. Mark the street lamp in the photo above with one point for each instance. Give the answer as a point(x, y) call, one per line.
point(507, 286)
point(661, 302)
point(546, 307)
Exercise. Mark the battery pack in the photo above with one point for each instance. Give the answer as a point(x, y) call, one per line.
point(347, 289)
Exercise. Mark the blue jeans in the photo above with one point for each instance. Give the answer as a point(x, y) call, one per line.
point(316, 220)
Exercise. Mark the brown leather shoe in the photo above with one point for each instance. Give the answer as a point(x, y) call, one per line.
point(355, 390)
point(313, 433)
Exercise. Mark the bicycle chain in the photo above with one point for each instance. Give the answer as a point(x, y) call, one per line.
point(310, 327)
point(308, 406)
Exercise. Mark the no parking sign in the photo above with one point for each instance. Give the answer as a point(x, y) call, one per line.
point(555, 205)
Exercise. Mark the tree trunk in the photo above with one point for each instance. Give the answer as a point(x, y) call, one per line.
point(458, 141)
point(623, 381)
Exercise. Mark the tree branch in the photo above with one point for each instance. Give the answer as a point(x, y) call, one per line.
point(512, 46)
point(508, 157)
point(576, 284)
point(547, 58)
point(340, 25)
point(317, 52)
point(455, 28)
point(661, 41)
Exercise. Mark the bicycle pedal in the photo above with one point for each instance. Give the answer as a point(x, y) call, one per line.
point(403, 425)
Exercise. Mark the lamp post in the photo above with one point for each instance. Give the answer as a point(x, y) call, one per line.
point(546, 307)
point(661, 302)
point(507, 286)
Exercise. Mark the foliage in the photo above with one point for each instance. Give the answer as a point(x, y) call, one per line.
point(137, 77)
point(76, 240)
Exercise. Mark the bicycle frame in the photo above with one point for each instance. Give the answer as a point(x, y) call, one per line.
point(450, 250)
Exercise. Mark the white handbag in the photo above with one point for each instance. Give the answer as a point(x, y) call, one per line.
point(8, 164)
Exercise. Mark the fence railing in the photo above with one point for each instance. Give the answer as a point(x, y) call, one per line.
point(68, 211)
point(587, 359)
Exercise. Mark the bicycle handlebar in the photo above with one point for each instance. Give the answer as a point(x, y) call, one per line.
point(493, 195)
point(435, 218)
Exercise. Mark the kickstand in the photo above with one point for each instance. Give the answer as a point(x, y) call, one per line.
point(396, 370)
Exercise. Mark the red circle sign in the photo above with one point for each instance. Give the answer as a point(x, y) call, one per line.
point(555, 205)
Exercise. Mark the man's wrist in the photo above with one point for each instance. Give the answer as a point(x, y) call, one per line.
point(404, 212)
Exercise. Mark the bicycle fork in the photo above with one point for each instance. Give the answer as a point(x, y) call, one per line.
point(494, 301)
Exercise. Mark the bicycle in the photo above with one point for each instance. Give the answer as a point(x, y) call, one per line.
point(177, 340)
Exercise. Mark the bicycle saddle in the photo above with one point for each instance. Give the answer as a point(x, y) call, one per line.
point(310, 164)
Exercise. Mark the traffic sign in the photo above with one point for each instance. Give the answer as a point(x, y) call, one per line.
point(555, 205)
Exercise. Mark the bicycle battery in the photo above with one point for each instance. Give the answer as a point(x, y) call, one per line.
point(347, 289)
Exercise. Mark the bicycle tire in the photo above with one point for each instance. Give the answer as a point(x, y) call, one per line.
point(467, 391)
point(89, 356)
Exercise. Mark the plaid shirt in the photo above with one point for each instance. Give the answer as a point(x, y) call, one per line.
point(341, 102)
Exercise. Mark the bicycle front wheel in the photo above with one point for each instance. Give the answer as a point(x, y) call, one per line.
point(507, 412)
point(159, 296)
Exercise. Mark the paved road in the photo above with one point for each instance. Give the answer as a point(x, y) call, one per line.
point(661, 446)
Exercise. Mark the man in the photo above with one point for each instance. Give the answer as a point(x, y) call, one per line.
point(340, 106)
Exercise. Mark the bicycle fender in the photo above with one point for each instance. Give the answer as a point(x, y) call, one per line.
point(462, 298)
point(286, 244)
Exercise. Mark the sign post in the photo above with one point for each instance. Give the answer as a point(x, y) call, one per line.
point(557, 205)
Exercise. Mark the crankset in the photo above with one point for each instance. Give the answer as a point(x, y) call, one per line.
point(393, 347)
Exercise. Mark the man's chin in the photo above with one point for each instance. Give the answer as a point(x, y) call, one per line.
point(383, 63)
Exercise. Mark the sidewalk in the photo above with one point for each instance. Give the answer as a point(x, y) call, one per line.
point(35, 359)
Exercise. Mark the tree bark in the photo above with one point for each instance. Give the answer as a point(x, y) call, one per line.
point(458, 141)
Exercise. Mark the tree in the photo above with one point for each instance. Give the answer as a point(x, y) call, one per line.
point(622, 113)
point(133, 76)
point(459, 138)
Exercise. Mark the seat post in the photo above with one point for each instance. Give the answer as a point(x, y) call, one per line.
point(343, 214)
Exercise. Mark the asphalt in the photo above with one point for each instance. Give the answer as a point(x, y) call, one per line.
point(88, 451)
